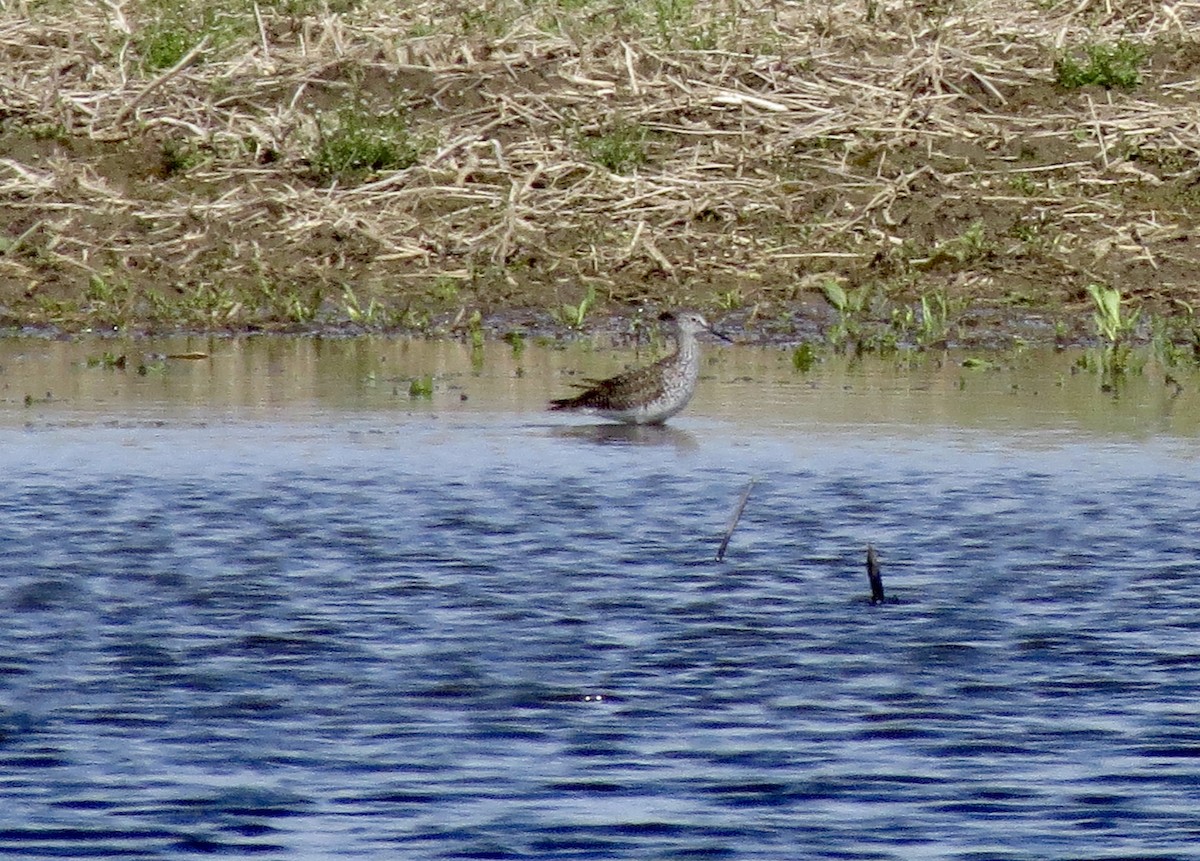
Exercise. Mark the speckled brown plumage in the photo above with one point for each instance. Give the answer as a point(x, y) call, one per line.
point(652, 394)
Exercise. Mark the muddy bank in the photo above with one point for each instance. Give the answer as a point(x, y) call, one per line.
point(866, 174)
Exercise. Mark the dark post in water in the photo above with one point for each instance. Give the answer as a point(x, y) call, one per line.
point(874, 575)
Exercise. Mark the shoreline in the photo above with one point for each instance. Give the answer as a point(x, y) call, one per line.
point(816, 324)
point(885, 172)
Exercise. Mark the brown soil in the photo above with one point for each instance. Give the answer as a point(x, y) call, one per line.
point(734, 157)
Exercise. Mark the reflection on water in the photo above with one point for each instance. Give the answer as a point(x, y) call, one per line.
point(269, 376)
point(611, 433)
point(303, 616)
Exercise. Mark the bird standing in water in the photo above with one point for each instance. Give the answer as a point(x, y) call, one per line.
point(649, 395)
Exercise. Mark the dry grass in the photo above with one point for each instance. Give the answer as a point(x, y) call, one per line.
point(714, 153)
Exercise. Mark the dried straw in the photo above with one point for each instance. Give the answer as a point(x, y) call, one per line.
point(782, 141)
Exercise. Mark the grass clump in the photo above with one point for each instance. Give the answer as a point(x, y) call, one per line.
point(1116, 327)
point(1112, 66)
point(621, 148)
point(108, 360)
point(931, 324)
point(178, 157)
point(575, 316)
point(108, 301)
point(371, 314)
point(1112, 323)
point(851, 307)
point(962, 251)
point(356, 142)
point(163, 46)
point(670, 17)
point(804, 357)
point(421, 388)
point(174, 27)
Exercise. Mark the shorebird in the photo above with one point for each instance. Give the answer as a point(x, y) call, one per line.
point(649, 395)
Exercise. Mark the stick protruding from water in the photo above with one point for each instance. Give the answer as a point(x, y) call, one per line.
point(733, 521)
point(874, 575)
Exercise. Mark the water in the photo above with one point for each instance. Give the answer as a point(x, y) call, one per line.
point(468, 629)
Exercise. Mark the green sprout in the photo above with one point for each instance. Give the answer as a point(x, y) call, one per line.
point(574, 315)
point(1116, 328)
point(1108, 66)
point(1112, 323)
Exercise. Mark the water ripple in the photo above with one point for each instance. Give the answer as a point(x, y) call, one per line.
point(521, 647)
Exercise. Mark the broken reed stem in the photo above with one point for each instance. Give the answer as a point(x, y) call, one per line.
point(185, 61)
point(733, 522)
point(874, 575)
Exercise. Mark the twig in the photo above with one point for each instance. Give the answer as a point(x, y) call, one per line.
point(1100, 139)
point(737, 515)
point(185, 61)
point(262, 33)
point(633, 81)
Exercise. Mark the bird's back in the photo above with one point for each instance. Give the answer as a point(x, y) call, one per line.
point(623, 392)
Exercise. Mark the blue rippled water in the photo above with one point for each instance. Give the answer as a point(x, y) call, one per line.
point(486, 639)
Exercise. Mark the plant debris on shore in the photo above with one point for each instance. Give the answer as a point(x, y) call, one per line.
point(238, 165)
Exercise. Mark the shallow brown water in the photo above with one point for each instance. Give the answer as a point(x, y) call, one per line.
point(42, 380)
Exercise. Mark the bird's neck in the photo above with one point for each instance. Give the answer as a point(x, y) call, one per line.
point(687, 351)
